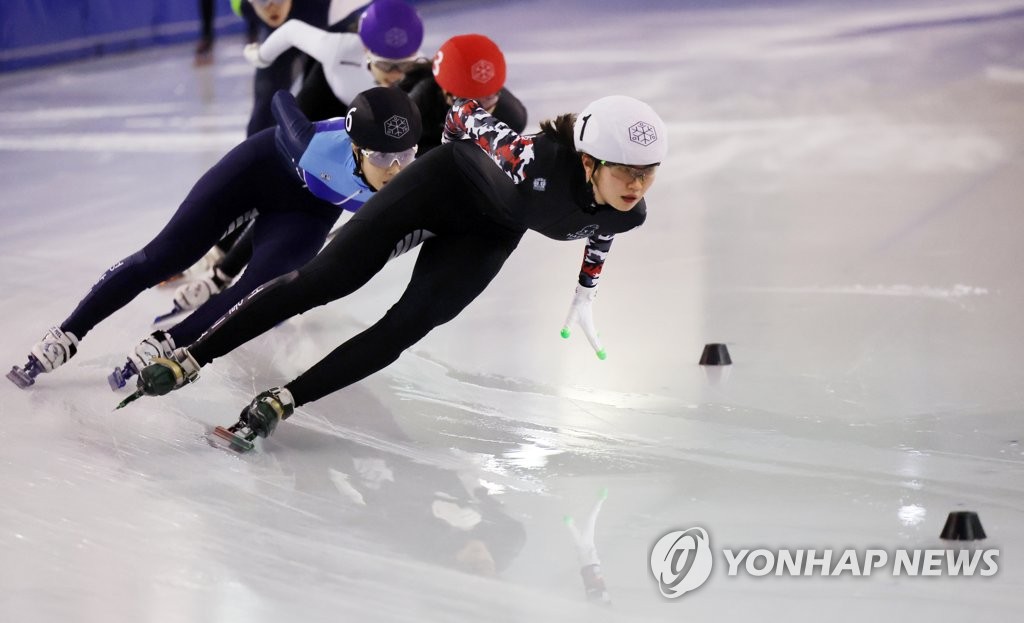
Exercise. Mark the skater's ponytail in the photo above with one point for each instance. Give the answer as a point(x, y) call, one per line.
point(560, 128)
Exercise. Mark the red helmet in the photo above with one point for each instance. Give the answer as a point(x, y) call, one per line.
point(470, 66)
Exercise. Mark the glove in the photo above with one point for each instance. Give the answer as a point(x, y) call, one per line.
point(251, 52)
point(454, 125)
point(166, 374)
point(267, 409)
point(581, 311)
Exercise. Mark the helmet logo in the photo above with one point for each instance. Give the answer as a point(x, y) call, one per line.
point(396, 126)
point(642, 133)
point(396, 37)
point(482, 71)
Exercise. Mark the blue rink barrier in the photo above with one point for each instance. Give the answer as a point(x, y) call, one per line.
point(43, 32)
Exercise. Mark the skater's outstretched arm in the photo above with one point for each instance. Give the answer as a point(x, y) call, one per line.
point(294, 131)
point(342, 55)
point(315, 42)
point(581, 309)
point(512, 152)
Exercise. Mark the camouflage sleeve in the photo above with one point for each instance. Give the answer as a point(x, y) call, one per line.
point(510, 151)
point(598, 246)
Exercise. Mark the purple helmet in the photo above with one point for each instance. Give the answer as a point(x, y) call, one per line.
point(391, 29)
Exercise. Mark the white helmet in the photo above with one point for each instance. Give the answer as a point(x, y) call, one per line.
point(621, 129)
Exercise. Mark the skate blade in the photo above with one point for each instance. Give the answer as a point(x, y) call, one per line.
point(118, 378)
point(20, 378)
point(236, 443)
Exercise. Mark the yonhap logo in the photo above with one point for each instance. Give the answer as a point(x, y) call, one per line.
point(681, 561)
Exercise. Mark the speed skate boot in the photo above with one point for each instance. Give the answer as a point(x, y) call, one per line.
point(166, 374)
point(48, 354)
point(258, 419)
point(157, 344)
point(192, 295)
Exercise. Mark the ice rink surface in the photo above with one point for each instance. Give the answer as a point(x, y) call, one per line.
point(841, 206)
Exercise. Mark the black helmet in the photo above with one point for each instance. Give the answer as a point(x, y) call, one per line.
point(383, 119)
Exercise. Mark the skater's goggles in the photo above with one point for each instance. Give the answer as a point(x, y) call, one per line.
point(390, 65)
point(626, 173)
point(388, 159)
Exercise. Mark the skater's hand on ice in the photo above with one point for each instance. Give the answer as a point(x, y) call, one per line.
point(251, 52)
point(581, 312)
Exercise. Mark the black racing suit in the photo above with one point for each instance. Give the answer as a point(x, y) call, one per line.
point(477, 212)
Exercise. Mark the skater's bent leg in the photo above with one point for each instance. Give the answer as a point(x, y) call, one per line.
point(360, 249)
point(282, 242)
point(352, 258)
point(221, 196)
point(229, 240)
point(126, 279)
point(237, 256)
point(450, 272)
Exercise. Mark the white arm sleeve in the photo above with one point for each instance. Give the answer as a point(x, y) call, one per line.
point(319, 44)
point(346, 72)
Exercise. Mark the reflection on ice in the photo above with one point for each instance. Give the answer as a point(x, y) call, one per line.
point(912, 514)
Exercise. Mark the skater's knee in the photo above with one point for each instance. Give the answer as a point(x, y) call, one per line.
point(138, 258)
point(280, 284)
point(138, 261)
point(161, 260)
point(292, 290)
point(419, 316)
